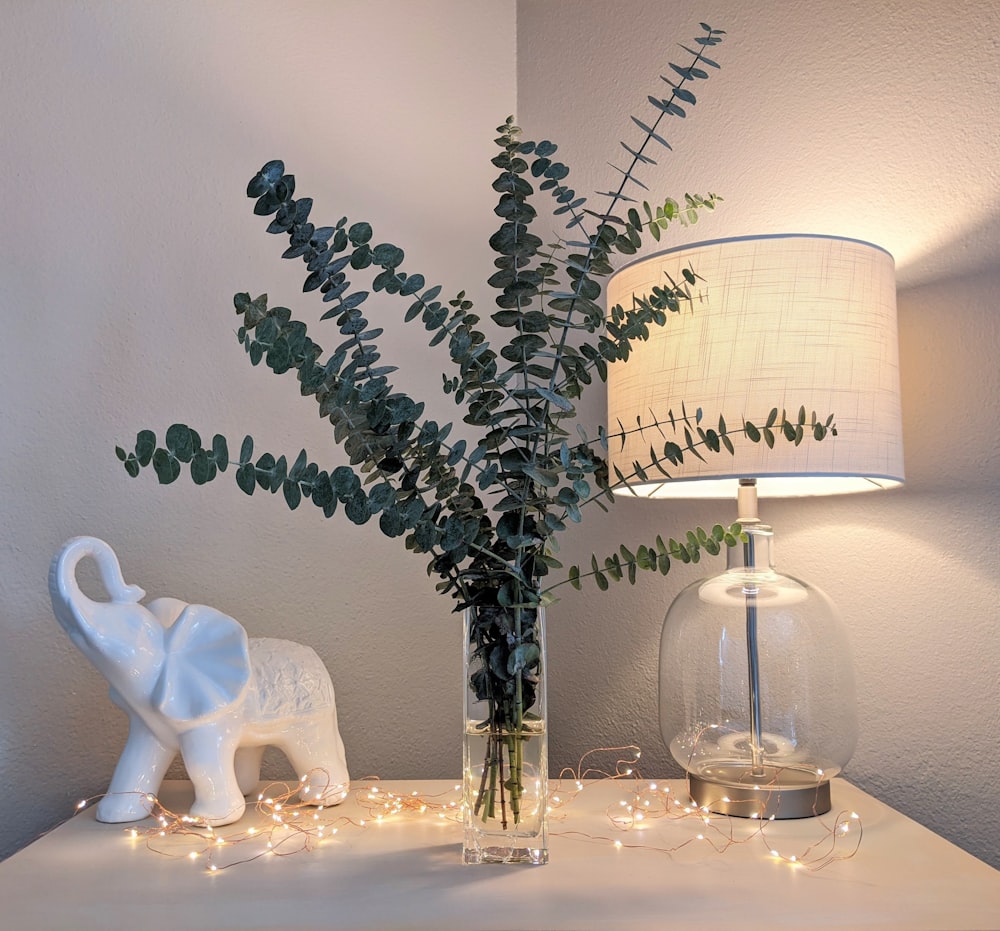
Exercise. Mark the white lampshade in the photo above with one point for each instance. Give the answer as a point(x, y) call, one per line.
point(780, 321)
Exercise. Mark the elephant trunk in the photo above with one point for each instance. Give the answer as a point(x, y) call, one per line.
point(68, 600)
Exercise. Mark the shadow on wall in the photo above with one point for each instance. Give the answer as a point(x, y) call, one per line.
point(972, 252)
point(54, 708)
point(924, 638)
point(949, 343)
point(940, 634)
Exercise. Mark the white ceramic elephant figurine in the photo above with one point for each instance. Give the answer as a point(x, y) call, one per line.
point(191, 681)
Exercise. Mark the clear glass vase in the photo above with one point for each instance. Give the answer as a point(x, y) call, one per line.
point(505, 744)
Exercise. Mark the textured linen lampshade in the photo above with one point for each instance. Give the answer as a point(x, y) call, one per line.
point(777, 321)
point(756, 677)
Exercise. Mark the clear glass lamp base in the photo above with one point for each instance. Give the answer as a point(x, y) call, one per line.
point(780, 792)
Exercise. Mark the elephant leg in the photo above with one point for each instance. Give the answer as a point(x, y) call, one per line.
point(138, 774)
point(314, 748)
point(247, 766)
point(209, 753)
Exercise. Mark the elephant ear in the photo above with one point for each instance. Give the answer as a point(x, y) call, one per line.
point(206, 665)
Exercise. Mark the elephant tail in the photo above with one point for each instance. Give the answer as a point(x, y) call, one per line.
point(62, 573)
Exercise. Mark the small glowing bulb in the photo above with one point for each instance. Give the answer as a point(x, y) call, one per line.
point(251, 830)
point(192, 855)
point(81, 804)
point(213, 868)
point(774, 853)
point(618, 845)
point(652, 787)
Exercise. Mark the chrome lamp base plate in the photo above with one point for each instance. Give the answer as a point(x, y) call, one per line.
point(779, 792)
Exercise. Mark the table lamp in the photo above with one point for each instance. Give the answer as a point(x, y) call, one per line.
point(756, 677)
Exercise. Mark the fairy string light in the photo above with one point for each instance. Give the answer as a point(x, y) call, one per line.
point(381, 803)
point(285, 825)
point(650, 802)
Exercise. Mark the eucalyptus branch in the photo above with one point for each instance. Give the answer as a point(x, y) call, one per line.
point(665, 107)
point(776, 426)
point(303, 479)
point(374, 425)
point(625, 564)
point(320, 249)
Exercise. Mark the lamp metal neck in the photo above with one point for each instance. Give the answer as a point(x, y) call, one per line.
point(754, 555)
point(746, 502)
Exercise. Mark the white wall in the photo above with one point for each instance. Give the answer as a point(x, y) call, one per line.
point(129, 132)
point(876, 121)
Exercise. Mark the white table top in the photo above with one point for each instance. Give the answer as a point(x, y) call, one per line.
point(406, 872)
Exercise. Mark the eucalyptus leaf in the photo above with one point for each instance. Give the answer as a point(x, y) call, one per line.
point(166, 466)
